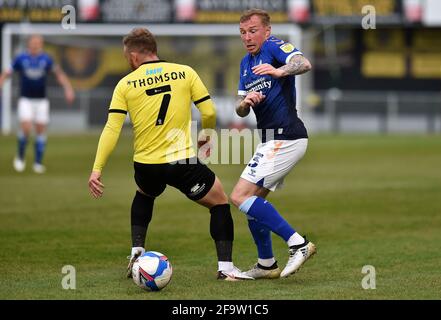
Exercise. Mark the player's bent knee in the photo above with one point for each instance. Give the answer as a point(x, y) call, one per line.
point(40, 129)
point(144, 194)
point(222, 197)
point(217, 193)
point(216, 197)
point(237, 199)
point(26, 128)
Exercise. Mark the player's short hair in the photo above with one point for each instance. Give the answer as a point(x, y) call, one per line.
point(140, 40)
point(264, 16)
point(33, 36)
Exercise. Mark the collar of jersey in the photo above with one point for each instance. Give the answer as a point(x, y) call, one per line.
point(155, 61)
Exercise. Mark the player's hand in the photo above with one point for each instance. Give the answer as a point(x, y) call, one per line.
point(96, 188)
point(204, 144)
point(69, 95)
point(267, 69)
point(204, 147)
point(253, 98)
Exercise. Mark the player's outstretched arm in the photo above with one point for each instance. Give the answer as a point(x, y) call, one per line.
point(5, 75)
point(208, 122)
point(96, 187)
point(207, 109)
point(109, 138)
point(252, 99)
point(242, 108)
point(208, 114)
point(298, 64)
point(63, 80)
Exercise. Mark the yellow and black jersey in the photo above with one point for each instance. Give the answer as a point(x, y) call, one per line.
point(157, 96)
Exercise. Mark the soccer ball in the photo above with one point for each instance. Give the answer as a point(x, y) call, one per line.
point(152, 271)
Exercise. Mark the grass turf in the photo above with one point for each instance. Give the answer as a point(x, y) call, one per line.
point(364, 200)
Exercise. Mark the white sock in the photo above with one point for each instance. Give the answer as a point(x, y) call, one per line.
point(136, 249)
point(226, 266)
point(266, 262)
point(295, 240)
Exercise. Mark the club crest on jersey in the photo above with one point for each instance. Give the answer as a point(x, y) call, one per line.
point(276, 41)
point(287, 47)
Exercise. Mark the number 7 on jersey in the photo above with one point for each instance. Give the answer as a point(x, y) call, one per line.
point(164, 104)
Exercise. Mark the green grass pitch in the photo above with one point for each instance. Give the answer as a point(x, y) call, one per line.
point(364, 200)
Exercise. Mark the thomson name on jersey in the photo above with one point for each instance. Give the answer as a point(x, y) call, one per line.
point(153, 79)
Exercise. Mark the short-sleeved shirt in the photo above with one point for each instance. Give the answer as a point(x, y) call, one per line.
point(278, 110)
point(158, 97)
point(33, 72)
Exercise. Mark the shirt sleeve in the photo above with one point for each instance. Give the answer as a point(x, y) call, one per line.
point(112, 129)
point(50, 64)
point(118, 103)
point(109, 138)
point(16, 64)
point(241, 91)
point(282, 51)
point(202, 100)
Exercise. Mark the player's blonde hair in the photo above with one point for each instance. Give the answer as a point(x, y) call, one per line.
point(264, 16)
point(140, 40)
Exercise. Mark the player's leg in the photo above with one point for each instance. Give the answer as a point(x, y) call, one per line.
point(266, 266)
point(221, 223)
point(271, 163)
point(201, 185)
point(150, 186)
point(39, 147)
point(140, 217)
point(265, 217)
point(41, 122)
point(222, 231)
point(25, 116)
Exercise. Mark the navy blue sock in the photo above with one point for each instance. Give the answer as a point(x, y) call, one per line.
point(262, 238)
point(266, 214)
point(40, 143)
point(22, 142)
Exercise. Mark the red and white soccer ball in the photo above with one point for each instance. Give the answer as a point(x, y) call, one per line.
point(152, 271)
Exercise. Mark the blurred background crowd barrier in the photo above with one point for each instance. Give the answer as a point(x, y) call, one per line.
point(380, 78)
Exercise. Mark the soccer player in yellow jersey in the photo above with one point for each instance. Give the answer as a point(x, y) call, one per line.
point(158, 95)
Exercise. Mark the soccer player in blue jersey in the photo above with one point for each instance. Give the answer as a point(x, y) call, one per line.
point(33, 67)
point(267, 85)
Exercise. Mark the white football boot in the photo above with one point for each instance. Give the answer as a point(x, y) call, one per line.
point(233, 275)
point(259, 272)
point(136, 253)
point(297, 257)
point(39, 168)
point(19, 164)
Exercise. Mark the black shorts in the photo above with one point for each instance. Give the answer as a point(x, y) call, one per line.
point(190, 176)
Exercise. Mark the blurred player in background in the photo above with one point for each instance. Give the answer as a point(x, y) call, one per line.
point(158, 95)
point(267, 84)
point(33, 67)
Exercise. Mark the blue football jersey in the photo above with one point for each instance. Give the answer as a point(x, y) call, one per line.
point(278, 110)
point(33, 71)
